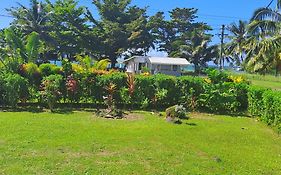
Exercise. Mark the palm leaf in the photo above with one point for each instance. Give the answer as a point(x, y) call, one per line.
point(32, 47)
point(102, 64)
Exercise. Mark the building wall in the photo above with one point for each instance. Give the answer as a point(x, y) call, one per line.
point(133, 67)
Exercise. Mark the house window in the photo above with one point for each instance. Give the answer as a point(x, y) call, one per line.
point(175, 67)
point(166, 67)
point(141, 65)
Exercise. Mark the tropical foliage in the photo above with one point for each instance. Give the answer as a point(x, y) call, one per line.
point(257, 45)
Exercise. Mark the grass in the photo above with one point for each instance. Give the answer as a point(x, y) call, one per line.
point(265, 81)
point(267, 84)
point(79, 143)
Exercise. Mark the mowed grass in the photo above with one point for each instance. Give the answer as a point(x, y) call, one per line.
point(265, 81)
point(80, 143)
point(267, 84)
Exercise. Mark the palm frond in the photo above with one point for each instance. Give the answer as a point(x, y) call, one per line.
point(266, 13)
point(32, 47)
point(102, 64)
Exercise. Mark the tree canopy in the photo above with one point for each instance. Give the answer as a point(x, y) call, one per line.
point(118, 30)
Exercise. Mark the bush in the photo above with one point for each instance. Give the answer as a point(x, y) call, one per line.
point(219, 98)
point(49, 69)
point(14, 88)
point(271, 108)
point(189, 90)
point(144, 91)
point(50, 90)
point(265, 104)
point(166, 90)
point(255, 100)
point(31, 72)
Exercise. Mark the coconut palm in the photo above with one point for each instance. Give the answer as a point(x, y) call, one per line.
point(32, 19)
point(238, 36)
point(264, 45)
point(263, 54)
point(197, 50)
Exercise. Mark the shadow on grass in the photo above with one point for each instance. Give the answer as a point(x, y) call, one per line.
point(22, 109)
point(191, 124)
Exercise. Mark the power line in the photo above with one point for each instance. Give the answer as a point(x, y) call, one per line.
point(201, 14)
point(7, 16)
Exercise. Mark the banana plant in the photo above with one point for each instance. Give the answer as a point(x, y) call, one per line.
point(16, 47)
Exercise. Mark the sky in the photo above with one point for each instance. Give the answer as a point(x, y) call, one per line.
point(213, 12)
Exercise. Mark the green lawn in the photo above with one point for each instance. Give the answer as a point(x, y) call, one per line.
point(266, 81)
point(79, 143)
point(267, 84)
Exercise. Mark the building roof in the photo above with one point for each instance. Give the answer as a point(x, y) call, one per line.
point(163, 60)
point(168, 61)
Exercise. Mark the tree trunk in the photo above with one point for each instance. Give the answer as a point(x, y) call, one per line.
point(196, 69)
point(113, 60)
point(277, 68)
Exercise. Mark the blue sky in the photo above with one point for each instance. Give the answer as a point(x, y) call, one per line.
point(213, 12)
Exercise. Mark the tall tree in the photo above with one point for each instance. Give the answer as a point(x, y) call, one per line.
point(182, 36)
point(264, 46)
point(238, 36)
point(61, 25)
point(197, 50)
point(68, 26)
point(122, 29)
point(32, 19)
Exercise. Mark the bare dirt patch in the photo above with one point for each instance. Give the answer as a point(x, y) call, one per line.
point(105, 153)
point(202, 116)
point(133, 116)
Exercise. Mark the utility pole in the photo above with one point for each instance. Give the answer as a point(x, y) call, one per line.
point(222, 35)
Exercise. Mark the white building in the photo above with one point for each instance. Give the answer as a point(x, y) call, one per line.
point(164, 65)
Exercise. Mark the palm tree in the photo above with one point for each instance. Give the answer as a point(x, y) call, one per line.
point(264, 45)
point(238, 36)
point(197, 50)
point(263, 54)
point(32, 19)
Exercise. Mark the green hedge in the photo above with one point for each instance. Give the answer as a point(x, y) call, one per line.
point(221, 95)
point(218, 93)
point(265, 104)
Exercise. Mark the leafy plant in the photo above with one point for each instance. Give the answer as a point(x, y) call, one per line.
point(101, 65)
point(131, 83)
point(50, 90)
point(71, 87)
point(48, 69)
point(111, 89)
point(175, 113)
point(14, 89)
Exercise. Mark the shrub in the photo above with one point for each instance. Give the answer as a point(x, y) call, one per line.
point(265, 104)
point(255, 100)
point(166, 89)
point(72, 88)
point(217, 76)
point(103, 81)
point(271, 108)
point(189, 90)
point(145, 90)
point(219, 98)
point(31, 72)
point(14, 88)
point(50, 90)
point(49, 69)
